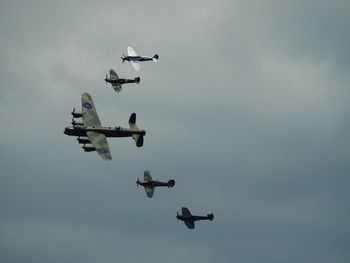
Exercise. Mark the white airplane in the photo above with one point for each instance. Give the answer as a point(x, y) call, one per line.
point(133, 58)
point(94, 134)
point(149, 184)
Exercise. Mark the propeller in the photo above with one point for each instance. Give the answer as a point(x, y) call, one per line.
point(73, 122)
point(106, 79)
point(73, 111)
point(137, 182)
point(177, 214)
point(123, 58)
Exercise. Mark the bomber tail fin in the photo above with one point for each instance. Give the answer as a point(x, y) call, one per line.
point(138, 136)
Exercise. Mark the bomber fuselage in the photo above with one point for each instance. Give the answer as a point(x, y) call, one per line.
point(107, 131)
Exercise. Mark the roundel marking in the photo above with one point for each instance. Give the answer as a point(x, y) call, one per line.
point(87, 105)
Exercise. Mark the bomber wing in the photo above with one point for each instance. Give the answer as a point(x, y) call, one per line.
point(99, 141)
point(185, 211)
point(147, 176)
point(90, 117)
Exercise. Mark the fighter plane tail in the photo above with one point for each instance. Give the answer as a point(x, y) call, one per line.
point(171, 183)
point(137, 80)
point(155, 57)
point(210, 217)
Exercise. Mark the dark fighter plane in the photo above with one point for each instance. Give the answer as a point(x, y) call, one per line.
point(149, 184)
point(118, 82)
point(133, 58)
point(189, 219)
point(90, 131)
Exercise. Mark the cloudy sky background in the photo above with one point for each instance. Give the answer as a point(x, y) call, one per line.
point(247, 109)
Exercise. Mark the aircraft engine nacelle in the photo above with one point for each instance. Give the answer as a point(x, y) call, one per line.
point(89, 148)
point(171, 183)
point(76, 114)
point(83, 140)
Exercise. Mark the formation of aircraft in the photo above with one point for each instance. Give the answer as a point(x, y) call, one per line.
point(189, 219)
point(118, 82)
point(133, 58)
point(149, 184)
point(92, 135)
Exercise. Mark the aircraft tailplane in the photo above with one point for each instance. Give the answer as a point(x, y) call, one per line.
point(137, 80)
point(210, 217)
point(171, 183)
point(155, 57)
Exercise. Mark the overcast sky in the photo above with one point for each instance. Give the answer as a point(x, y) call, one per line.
point(247, 109)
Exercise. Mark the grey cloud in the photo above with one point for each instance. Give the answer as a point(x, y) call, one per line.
point(246, 110)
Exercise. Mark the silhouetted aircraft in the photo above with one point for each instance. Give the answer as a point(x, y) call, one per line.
point(117, 82)
point(134, 58)
point(90, 131)
point(149, 184)
point(189, 219)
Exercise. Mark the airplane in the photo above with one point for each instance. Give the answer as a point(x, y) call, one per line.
point(133, 58)
point(149, 184)
point(92, 135)
point(189, 219)
point(117, 82)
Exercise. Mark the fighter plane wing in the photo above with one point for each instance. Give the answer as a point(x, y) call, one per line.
point(147, 176)
point(117, 87)
point(113, 75)
point(185, 211)
point(99, 141)
point(189, 224)
point(135, 65)
point(90, 117)
point(131, 52)
point(149, 191)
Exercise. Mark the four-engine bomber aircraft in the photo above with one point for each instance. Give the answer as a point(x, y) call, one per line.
point(94, 134)
point(149, 184)
point(134, 58)
point(189, 219)
point(117, 82)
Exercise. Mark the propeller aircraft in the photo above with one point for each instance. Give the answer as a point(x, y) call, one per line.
point(150, 184)
point(92, 135)
point(133, 58)
point(118, 82)
point(189, 219)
